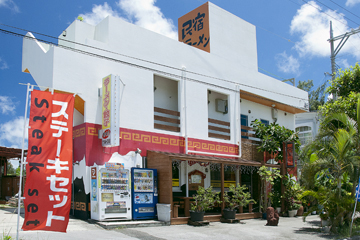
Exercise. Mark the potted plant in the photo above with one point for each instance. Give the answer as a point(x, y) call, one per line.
point(292, 193)
point(204, 199)
point(234, 198)
point(275, 195)
point(293, 207)
point(266, 176)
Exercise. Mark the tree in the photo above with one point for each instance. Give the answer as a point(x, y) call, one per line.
point(341, 105)
point(273, 136)
point(316, 97)
point(336, 152)
point(348, 81)
point(345, 87)
point(10, 170)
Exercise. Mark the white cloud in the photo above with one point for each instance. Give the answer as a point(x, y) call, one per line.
point(143, 13)
point(313, 28)
point(9, 4)
point(11, 132)
point(6, 105)
point(343, 63)
point(287, 64)
point(3, 64)
point(351, 3)
point(99, 12)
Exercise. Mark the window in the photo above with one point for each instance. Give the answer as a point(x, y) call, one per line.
point(229, 178)
point(218, 115)
point(215, 177)
point(166, 112)
point(244, 122)
point(266, 122)
point(176, 178)
point(305, 134)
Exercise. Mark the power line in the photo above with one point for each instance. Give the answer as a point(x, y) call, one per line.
point(334, 11)
point(271, 73)
point(344, 8)
point(325, 13)
point(143, 67)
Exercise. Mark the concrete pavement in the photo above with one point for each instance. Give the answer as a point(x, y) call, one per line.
point(289, 228)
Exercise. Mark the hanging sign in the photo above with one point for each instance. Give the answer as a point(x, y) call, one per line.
point(49, 162)
point(290, 154)
point(110, 111)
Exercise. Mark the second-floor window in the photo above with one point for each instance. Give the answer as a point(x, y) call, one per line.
point(218, 115)
point(166, 112)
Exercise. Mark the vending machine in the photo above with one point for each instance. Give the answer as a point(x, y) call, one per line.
point(145, 193)
point(111, 192)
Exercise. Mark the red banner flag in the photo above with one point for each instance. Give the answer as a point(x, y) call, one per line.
point(49, 162)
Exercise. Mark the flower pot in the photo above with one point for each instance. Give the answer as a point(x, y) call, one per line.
point(229, 214)
point(197, 216)
point(264, 215)
point(325, 223)
point(278, 209)
point(313, 213)
point(292, 213)
point(300, 211)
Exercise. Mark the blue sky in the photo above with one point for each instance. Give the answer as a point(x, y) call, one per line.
point(291, 37)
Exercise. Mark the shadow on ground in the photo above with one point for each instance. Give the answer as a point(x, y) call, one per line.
point(314, 228)
point(13, 210)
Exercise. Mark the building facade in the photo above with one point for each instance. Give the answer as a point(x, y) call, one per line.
point(174, 97)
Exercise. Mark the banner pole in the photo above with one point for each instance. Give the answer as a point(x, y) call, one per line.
point(22, 160)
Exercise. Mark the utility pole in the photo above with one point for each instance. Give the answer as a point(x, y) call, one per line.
point(292, 80)
point(334, 52)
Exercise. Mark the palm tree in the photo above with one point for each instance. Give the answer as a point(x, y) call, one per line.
point(337, 150)
point(330, 126)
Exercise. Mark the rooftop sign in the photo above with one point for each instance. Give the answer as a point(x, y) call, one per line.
point(194, 28)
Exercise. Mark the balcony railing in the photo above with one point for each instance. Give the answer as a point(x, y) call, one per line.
point(219, 129)
point(165, 119)
point(248, 133)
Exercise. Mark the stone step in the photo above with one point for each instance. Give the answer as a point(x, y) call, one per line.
point(131, 224)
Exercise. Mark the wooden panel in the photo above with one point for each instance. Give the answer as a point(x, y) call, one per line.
point(166, 119)
point(248, 134)
point(247, 128)
point(166, 127)
point(214, 135)
point(163, 165)
point(166, 111)
point(219, 129)
point(219, 122)
point(268, 102)
point(222, 176)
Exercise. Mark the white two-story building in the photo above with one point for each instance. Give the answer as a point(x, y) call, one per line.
point(187, 104)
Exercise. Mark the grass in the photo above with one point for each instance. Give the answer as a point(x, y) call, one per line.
point(6, 236)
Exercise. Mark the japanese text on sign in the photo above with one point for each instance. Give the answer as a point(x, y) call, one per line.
point(194, 28)
point(47, 205)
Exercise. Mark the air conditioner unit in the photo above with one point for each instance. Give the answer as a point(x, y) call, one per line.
point(221, 105)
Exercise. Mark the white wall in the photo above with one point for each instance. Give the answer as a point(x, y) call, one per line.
point(232, 58)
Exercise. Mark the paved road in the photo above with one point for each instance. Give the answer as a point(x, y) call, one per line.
point(289, 228)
